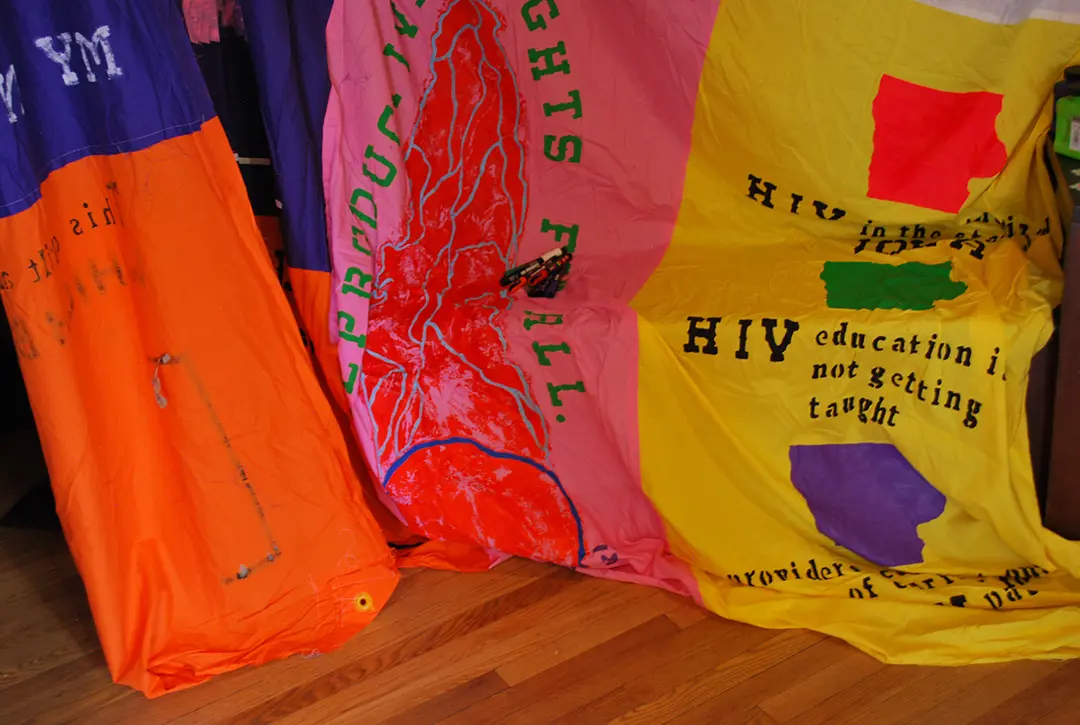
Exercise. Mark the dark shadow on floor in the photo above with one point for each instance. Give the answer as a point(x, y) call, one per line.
point(36, 510)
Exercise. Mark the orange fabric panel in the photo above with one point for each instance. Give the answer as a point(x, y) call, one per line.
point(208, 496)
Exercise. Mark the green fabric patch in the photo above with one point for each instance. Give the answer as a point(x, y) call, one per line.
point(874, 286)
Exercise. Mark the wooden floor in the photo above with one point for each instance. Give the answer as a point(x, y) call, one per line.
point(526, 643)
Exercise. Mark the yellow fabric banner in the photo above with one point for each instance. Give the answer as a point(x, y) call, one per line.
point(834, 351)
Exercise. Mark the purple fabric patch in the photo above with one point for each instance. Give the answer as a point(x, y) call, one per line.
point(867, 498)
point(90, 77)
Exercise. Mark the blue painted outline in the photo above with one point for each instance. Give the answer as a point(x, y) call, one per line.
point(499, 455)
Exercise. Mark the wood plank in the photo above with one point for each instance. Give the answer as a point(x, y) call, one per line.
point(968, 704)
point(1039, 699)
point(46, 696)
point(432, 599)
point(805, 692)
point(746, 696)
point(695, 650)
point(320, 696)
point(753, 716)
point(688, 614)
point(917, 697)
point(502, 641)
point(61, 630)
point(393, 679)
point(452, 702)
point(1066, 713)
point(879, 686)
point(541, 698)
point(620, 617)
point(699, 690)
point(525, 643)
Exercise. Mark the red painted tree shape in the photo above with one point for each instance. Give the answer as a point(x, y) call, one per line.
point(457, 430)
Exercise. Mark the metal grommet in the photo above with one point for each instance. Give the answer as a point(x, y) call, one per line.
point(364, 603)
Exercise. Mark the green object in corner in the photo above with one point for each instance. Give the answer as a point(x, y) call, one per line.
point(1067, 131)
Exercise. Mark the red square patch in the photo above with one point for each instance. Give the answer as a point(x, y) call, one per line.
point(928, 144)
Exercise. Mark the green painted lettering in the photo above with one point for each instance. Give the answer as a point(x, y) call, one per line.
point(347, 333)
point(574, 104)
point(391, 52)
point(366, 247)
point(539, 318)
point(384, 120)
point(390, 170)
point(547, 55)
point(536, 21)
point(556, 390)
point(358, 289)
point(354, 373)
point(402, 24)
point(542, 351)
point(357, 195)
point(569, 148)
point(561, 230)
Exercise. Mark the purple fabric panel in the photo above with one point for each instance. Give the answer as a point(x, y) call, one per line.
point(91, 77)
point(867, 498)
point(288, 48)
